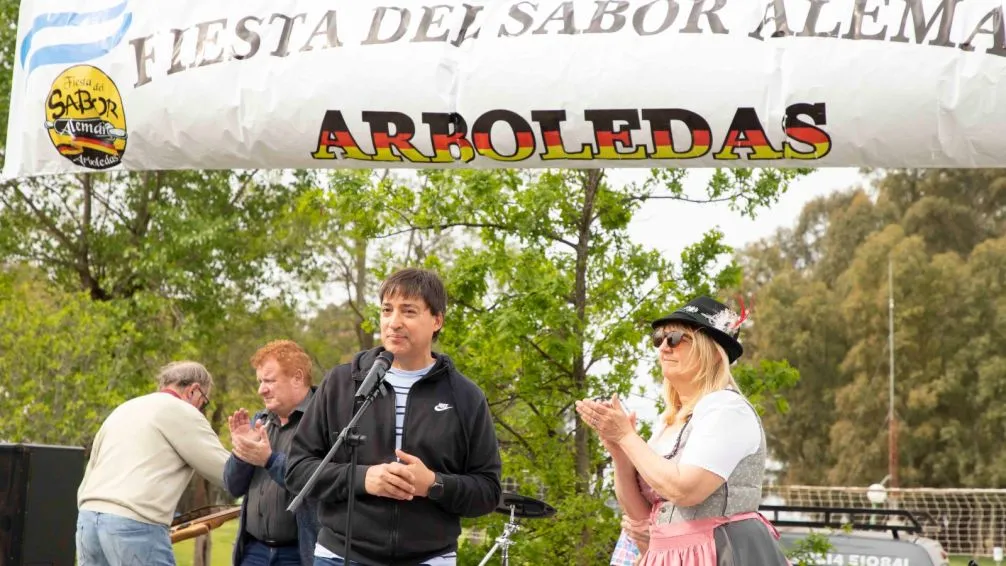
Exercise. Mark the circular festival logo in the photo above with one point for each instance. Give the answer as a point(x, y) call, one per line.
point(85, 118)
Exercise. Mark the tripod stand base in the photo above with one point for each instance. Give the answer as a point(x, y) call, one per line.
point(488, 556)
point(503, 541)
point(515, 505)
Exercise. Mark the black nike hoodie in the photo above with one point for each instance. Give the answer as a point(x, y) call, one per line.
point(447, 425)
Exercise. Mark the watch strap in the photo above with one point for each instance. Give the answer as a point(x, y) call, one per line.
point(437, 489)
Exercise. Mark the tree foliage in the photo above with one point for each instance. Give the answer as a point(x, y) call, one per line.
point(822, 294)
point(550, 304)
point(66, 358)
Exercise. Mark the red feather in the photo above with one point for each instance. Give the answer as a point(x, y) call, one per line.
point(744, 312)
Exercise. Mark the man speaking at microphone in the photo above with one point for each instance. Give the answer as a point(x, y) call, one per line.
point(430, 454)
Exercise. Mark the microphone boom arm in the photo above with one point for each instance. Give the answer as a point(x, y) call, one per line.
point(331, 453)
point(383, 362)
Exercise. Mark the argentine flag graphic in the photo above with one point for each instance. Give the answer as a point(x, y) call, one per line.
point(69, 38)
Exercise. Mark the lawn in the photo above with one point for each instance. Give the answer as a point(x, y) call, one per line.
point(221, 547)
point(963, 561)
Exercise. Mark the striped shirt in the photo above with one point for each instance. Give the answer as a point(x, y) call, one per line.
point(402, 381)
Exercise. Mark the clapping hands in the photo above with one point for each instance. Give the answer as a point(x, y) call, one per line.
point(608, 419)
point(250, 439)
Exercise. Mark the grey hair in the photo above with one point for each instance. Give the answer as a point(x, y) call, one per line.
point(184, 374)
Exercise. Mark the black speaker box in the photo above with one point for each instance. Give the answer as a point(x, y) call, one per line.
point(38, 504)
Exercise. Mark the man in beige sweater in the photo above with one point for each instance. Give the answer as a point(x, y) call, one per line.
point(142, 459)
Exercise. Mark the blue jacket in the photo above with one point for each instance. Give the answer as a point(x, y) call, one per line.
point(237, 479)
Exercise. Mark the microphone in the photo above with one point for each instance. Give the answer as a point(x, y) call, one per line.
point(373, 380)
point(376, 374)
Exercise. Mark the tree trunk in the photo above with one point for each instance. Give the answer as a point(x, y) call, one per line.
point(365, 338)
point(581, 445)
point(87, 280)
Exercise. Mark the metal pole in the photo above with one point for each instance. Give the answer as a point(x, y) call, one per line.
point(892, 447)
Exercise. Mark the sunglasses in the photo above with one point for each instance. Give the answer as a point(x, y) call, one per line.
point(673, 338)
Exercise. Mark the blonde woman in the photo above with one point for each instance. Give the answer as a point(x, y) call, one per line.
point(698, 481)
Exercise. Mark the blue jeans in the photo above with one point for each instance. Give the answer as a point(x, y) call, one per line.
point(110, 540)
point(258, 554)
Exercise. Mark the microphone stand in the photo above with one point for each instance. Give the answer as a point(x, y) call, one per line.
point(354, 440)
point(348, 435)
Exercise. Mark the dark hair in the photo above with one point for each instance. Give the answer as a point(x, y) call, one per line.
point(421, 283)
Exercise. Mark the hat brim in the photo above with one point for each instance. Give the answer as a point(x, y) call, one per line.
point(729, 344)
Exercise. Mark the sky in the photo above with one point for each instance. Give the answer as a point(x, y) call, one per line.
point(657, 221)
point(670, 226)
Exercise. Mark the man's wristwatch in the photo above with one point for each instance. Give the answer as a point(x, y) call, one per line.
point(436, 490)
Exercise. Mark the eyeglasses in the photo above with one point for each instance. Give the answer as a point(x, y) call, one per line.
point(673, 338)
point(206, 400)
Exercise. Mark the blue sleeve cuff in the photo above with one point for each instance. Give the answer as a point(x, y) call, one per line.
point(272, 458)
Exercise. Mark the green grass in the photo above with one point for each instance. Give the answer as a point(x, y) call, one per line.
point(963, 561)
point(221, 547)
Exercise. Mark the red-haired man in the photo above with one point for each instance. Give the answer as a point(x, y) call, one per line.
point(269, 534)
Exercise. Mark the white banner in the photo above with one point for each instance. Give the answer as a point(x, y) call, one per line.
point(195, 84)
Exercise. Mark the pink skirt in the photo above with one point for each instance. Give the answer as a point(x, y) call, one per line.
point(691, 543)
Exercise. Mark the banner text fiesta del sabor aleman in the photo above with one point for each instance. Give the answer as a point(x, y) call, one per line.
point(124, 85)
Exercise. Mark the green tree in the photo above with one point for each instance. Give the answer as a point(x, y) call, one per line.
point(859, 435)
point(66, 359)
point(8, 38)
point(203, 239)
point(170, 254)
point(822, 294)
point(982, 311)
point(361, 227)
point(796, 318)
point(203, 246)
point(952, 209)
point(550, 305)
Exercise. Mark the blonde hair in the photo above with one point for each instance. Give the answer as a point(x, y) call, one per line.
point(712, 372)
